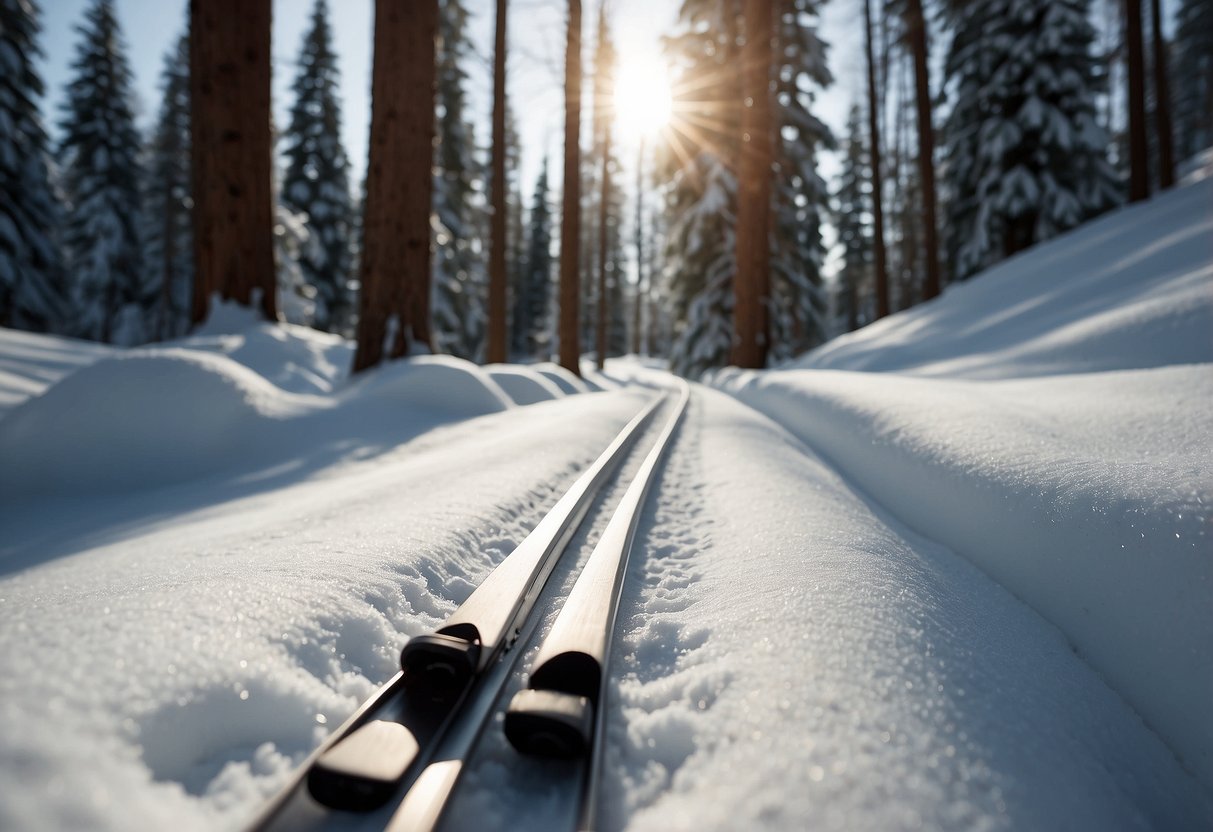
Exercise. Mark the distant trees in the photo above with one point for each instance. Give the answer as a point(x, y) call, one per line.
point(32, 292)
point(395, 267)
point(101, 178)
point(167, 221)
point(230, 149)
point(532, 291)
point(1193, 88)
point(852, 208)
point(316, 180)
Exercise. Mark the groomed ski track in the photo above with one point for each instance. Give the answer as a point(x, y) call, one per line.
point(925, 694)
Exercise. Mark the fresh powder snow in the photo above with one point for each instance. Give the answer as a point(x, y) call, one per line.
point(950, 571)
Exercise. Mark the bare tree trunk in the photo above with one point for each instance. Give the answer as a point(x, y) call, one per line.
point(636, 314)
point(917, 31)
point(1162, 101)
point(496, 351)
point(570, 225)
point(1139, 173)
point(395, 267)
point(230, 154)
point(604, 298)
point(881, 275)
point(754, 191)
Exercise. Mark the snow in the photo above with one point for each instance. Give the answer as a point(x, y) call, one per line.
point(951, 571)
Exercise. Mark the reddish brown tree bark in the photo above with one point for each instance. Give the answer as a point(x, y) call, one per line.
point(881, 276)
point(1162, 101)
point(570, 225)
point(496, 349)
point(751, 281)
point(916, 31)
point(636, 313)
point(230, 154)
point(1139, 163)
point(395, 267)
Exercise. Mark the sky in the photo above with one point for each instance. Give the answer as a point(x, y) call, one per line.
point(536, 34)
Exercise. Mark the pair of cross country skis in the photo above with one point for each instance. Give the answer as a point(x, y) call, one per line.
point(395, 763)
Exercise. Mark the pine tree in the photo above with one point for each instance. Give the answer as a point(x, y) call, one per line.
point(32, 292)
point(168, 233)
point(1193, 90)
point(800, 197)
point(102, 174)
point(853, 204)
point(570, 225)
point(316, 181)
point(1023, 136)
point(459, 277)
point(531, 324)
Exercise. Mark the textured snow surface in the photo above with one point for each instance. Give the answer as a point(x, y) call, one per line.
point(524, 385)
point(1127, 291)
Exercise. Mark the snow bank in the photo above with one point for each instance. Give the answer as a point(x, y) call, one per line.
point(562, 378)
point(1088, 496)
point(29, 363)
point(294, 358)
point(1130, 290)
point(523, 384)
point(155, 416)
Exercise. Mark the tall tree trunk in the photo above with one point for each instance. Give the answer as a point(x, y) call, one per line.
point(881, 275)
point(636, 314)
point(604, 298)
point(496, 351)
point(752, 278)
point(1162, 101)
point(917, 31)
point(1139, 173)
point(570, 225)
point(168, 269)
point(395, 267)
point(230, 154)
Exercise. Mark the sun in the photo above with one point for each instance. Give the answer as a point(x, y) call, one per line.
point(642, 95)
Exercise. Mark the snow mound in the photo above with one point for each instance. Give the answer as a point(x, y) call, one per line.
point(524, 385)
point(294, 358)
point(442, 382)
point(31, 362)
point(145, 417)
point(562, 378)
point(1130, 290)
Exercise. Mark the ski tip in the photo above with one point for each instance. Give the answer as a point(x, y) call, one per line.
point(545, 723)
point(362, 771)
point(439, 667)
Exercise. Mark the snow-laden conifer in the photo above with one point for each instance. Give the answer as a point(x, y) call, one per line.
point(1193, 77)
point(1025, 153)
point(316, 182)
point(851, 211)
point(531, 329)
point(101, 180)
point(168, 254)
point(32, 294)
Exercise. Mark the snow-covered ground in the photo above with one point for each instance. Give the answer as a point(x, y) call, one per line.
point(952, 571)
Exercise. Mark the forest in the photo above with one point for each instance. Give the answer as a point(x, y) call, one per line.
point(980, 130)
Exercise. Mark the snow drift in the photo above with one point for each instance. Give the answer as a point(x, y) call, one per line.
point(1087, 494)
point(524, 385)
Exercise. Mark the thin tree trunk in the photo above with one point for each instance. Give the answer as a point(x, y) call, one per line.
point(1139, 174)
point(754, 191)
point(570, 225)
point(496, 351)
point(395, 266)
point(636, 314)
point(881, 276)
point(168, 256)
point(1162, 101)
point(230, 154)
point(603, 215)
point(917, 31)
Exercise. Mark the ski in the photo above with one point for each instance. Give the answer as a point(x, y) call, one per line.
point(389, 739)
point(561, 713)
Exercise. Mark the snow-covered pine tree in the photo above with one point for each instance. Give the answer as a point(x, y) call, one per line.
point(851, 208)
point(800, 196)
point(101, 179)
point(317, 178)
point(459, 276)
point(531, 325)
point(700, 202)
point(168, 254)
point(1193, 77)
point(1023, 136)
point(32, 292)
